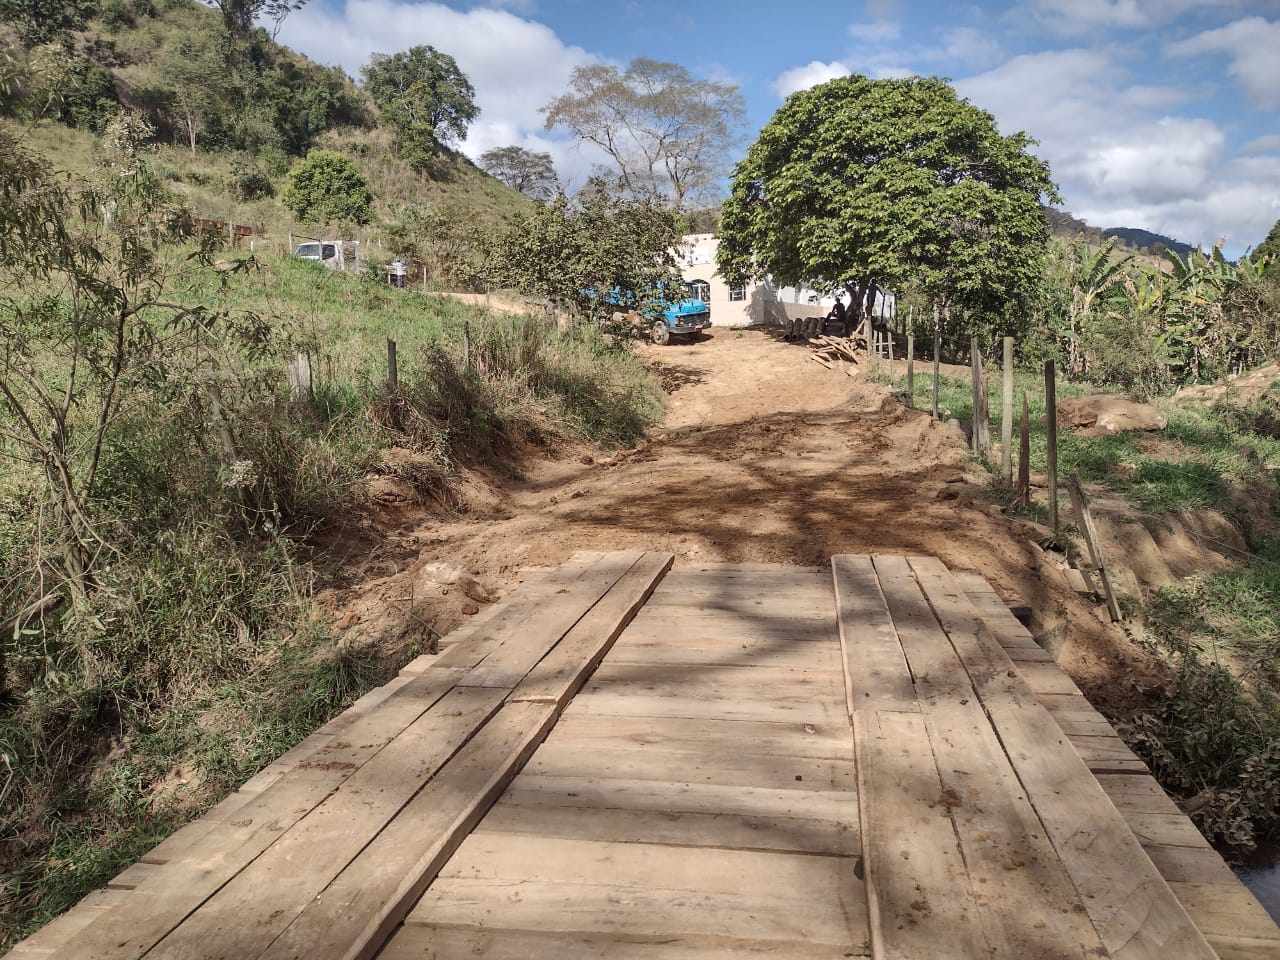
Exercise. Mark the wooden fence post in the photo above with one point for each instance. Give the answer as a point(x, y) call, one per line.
point(911, 371)
point(1051, 429)
point(393, 368)
point(1006, 413)
point(1024, 455)
point(466, 344)
point(1081, 503)
point(937, 357)
point(299, 373)
point(978, 433)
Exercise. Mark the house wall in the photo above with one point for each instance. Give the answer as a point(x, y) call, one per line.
point(697, 258)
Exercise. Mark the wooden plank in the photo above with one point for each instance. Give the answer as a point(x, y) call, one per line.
point(564, 759)
point(520, 650)
point(727, 628)
point(133, 876)
point(591, 733)
point(629, 700)
point(556, 885)
point(1227, 910)
point(728, 831)
point(1047, 678)
point(748, 654)
point(354, 916)
point(561, 673)
point(1081, 502)
point(875, 669)
point(918, 893)
point(1101, 749)
point(419, 942)
point(1244, 948)
point(214, 858)
point(1190, 864)
point(530, 789)
point(1131, 906)
point(1026, 902)
point(798, 687)
point(60, 931)
point(247, 914)
point(471, 642)
point(1136, 793)
point(1165, 829)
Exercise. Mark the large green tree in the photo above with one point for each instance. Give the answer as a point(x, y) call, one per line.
point(424, 97)
point(326, 187)
point(859, 183)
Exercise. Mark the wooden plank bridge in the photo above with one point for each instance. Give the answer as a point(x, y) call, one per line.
point(725, 762)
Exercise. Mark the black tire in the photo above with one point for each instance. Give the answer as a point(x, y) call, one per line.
point(660, 334)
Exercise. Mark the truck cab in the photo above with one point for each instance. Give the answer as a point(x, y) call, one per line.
point(666, 317)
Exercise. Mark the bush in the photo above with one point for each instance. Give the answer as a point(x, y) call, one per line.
point(326, 187)
point(249, 181)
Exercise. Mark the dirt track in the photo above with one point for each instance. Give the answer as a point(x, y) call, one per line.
point(764, 456)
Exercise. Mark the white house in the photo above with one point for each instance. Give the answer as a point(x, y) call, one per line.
point(746, 304)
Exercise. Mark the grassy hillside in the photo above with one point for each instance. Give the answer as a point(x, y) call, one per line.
point(238, 170)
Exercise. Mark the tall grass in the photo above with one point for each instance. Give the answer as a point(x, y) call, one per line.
point(202, 656)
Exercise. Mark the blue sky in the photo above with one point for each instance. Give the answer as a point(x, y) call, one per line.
point(1162, 114)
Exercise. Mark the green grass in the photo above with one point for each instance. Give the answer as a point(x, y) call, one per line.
point(203, 657)
point(1206, 451)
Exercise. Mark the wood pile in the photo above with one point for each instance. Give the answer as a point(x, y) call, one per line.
point(834, 351)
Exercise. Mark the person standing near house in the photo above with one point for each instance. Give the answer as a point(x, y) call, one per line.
point(397, 272)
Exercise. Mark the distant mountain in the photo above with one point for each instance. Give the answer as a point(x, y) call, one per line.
point(1063, 224)
point(1146, 240)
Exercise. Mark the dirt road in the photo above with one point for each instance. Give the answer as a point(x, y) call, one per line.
point(764, 456)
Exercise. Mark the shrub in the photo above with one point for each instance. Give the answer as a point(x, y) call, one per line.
point(249, 181)
point(326, 187)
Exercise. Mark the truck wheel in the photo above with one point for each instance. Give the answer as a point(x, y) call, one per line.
point(661, 334)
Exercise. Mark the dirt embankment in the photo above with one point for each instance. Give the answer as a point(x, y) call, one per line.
point(764, 456)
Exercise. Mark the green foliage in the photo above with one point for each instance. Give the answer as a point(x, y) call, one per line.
point(249, 181)
point(1120, 322)
point(889, 182)
point(573, 253)
point(45, 21)
point(326, 187)
point(1214, 740)
point(424, 97)
point(1269, 249)
point(89, 98)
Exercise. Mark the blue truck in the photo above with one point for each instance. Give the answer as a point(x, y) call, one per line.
point(663, 319)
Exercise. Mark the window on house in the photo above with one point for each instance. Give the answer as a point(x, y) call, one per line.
point(700, 290)
point(738, 292)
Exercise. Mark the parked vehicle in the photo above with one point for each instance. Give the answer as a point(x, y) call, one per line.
point(333, 254)
point(664, 319)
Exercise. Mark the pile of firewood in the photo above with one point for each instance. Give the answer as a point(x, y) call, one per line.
point(834, 351)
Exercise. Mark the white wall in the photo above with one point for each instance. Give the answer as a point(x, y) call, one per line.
point(696, 256)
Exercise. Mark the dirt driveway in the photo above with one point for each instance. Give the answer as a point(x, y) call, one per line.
point(764, 456)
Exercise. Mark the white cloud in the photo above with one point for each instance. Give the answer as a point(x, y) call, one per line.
point(1079, 16)
point(516, 65)
point(877, 31)
point(1118, 161)
point(975, 48)
point(810, 75)
point(1253, 45)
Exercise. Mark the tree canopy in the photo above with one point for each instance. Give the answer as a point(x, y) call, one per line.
point(424, 97)
point(533, 174)
point(1270, 248)
point(858, 183)
point(572, 252)
point(667, 133)
point(327, 187)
